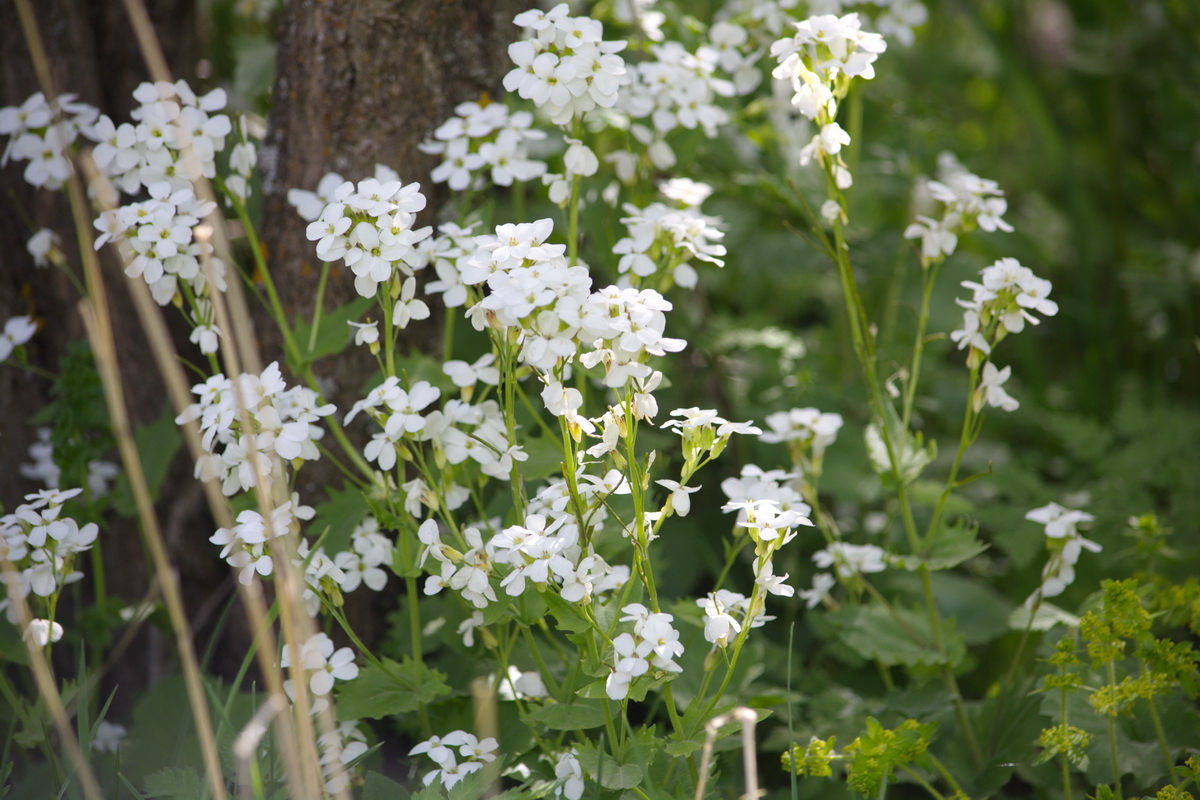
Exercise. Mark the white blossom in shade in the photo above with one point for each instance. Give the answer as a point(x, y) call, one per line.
point(685, 191)
point(17, 331)
point(849, 560)
point(667, 239)
point(1065, 544)
point(807, 426)
point(677, 89)
point(938, 237)
point(441, 750)
point(466, 628)
point(310, 205)
point(408, 307)
point(823, 582)
point(323, 664)
point(365, 333)
point(568, 775)
point(755, 485)
point(107, 737)
point(40, 246)
point(449, 252)
point(339, 749)
point(464, 375)
point(1060, 522)
point(579, 159)
point(43, 632)
point(991, 389)
point(719, 622)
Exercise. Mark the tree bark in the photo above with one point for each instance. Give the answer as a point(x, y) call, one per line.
point(360, 83)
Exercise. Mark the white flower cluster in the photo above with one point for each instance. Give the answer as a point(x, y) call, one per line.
point(678, 89)
point(704, 433)
point(17, 331)
point(245, 546)
point(339, 749)
point(43, 132)
point(1065, 544)
point(363, 564)
point(544, 551)
point(450, 771)
point(481, 138)
point(735, 53)
point(457, 432)
point(755, 484)
point(806, 426)
point(449, 252)
point(369, 226)
point(653, 643)
point(566, 68)
point(41, 544)
point(323, 665)
point(568, 774)
point(283, 422)
point(150, 149)
point(721, 611)
point(969, 202)
point(849, 560)
point(165, 251)
point(820, 59)
point(1001, 304)
point(101, 474)
point(665, 238)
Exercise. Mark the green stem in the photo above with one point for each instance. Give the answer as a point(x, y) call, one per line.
point(928, 278)
point(1162, 736)
point(924, 784)
point(1112, 737)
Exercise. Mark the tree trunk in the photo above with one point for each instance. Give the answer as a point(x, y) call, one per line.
point(360, 83)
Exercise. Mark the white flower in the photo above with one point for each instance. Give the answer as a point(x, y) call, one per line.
point(991, 391)
point(407, 307)
point(365, 332)
point(17, 331)
point(851, 559)
point(679, 498)
point(43, 632)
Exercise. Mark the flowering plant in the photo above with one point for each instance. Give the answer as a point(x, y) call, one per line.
point(574, 620)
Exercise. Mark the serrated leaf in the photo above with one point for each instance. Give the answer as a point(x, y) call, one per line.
point(576, 716)
point(608, 772)
point(183, 783)
point(951, 545)
point(157, 443)
point(394, 688)
point(379, 787)
point(684, 748)
point(899, 636)
point(333, 331)
point(566, 614)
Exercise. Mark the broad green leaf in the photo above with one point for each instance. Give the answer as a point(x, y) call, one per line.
point(157, 444)
point(336, 519)
point(577, 716)
point(397, 688)
point(378, 787)
point(900, 636)
point(545, 458)
point(333, 330)
point(684, 748)
point(183, 783)
point(951, 545)
point(594, 690)
point(608, 772)
point(566, 614)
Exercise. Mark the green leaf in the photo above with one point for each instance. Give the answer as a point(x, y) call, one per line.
point(684, 748)
point(174, 782)
point(607, 771)
point(378, 787)
point(396, 688)
point(157, 444)
point(566, 614)
point(911, 452)
point(545, 458)
point(577, 716)
point(950, 546)
point(900, 636)
point(333, 331)
point(337, 517)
